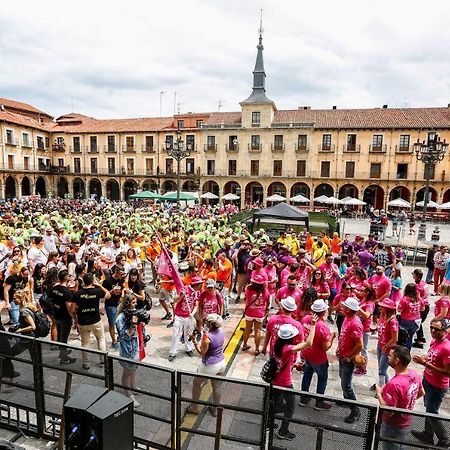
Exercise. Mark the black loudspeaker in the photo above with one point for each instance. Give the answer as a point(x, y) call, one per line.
point(75, 412)
point(110, 423)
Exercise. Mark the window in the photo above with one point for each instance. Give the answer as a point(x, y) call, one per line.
point(26, 163)
point(61, 162)
point(301, 168)
point(190, 142)
point(10, 137)
point(76, 144)
point(211, 142)
point(111, 166)
point(302, 142)
point(326, 142)
point(130, 166)
point(403, 145)
point(149, 144)
point(111, 143)
point(180, 123)
point(256, 143)
point(59, 144)
point(94, 165)
point(351, 142)
point(93, 143)
point(233, 143)
point(256, 118)
point(47, 142)
point(402, 171)
point(429, 171)
point(11, 162)
point(77, 165)
point(130, 143)
point(375, 170)
point(190, 165)
point(277, 168)
point(325, 169)
point(149, 166)
point(377, 142)
point(211, 167)
point(169, 165)
point(25, 140)
point(169, 141)
point(232, 166)
point(254, 168)
point(278, 142)
point(199, 123)
point(350, 169)
point(40, 143)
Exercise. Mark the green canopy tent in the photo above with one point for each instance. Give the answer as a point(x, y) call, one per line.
point(145, 195)
point(184, 196)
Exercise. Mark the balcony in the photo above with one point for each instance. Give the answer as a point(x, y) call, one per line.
point(75, 149)
point(278, 147)
point(403, 149)
point(232, 148)
point(352, 148)
point(27, 144)
point(210, 148)
point(255, 148)
point(59, 147)
point(59, 169)
point(128, 149)
point(92, 149)
point(147, 149)
point(377, 148)
point(12, 142)
point(326, 148)
point(300, 148)
point(41, 147)
point(110, 148)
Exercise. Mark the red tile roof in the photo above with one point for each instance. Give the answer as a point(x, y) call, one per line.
point(21, 106)
point(224, 117)
point(23, 120)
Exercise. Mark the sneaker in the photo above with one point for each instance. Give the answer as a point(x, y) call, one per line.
point(330, 320)
point(170, 325)
point(67, 360)
point(423, 436)
point(353, 417)
point(135, 402)
point(417, 345)
point(373, 387)
point(359, 372)
point(237, 300)
point(304, 401)
point(323, 406)
point(285, 435)
point(226, 316)
point(172, 357)
point(168, 316)
point(190, 353)
point(86, 366)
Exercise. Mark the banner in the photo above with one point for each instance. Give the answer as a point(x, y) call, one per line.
point(167, 267)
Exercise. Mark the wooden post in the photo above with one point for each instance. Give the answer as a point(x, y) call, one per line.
point(218, 429)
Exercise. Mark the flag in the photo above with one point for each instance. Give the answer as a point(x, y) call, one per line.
point(167, 267)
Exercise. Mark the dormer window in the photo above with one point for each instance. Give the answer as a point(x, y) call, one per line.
point(256, 118)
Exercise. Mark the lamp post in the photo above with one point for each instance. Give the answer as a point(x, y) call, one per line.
point(176, 150)
point(430, 153)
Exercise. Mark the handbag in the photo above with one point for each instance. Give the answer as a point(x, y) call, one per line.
point(270, 370)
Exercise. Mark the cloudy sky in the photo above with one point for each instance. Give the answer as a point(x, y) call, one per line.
point(114, 58)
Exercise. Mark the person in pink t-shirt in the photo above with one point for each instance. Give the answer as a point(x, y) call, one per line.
point(442, 305)
point(272, 278)
point(435, 382)
point(382, 286)
point(422, 292)
point(315, 357)
point(290, 290)
point(303, 274)
point(401, 391)
point(285, 355)
point(409, 307)
point(366, 308)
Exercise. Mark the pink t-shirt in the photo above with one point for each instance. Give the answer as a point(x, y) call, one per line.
point(256, 303)
point(338, 301)
point(367, 306)
point(442, 303)
point(187, 303)
point(410, 310)
point(304, 277)
point(210, 302)
point(351, 332)
point(329, 274)
point(316, 354)
point(284, 292)
point(386, 329)
point(261, 272)
point(321, 288)
point(284, 276)
point(438, 355)
point(381, 285)
point(284, 377)
point(271, 272)
point(274, 324)
point(401, 392)
point(422, 292)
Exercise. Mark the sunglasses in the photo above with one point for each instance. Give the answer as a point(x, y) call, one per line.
point(436, 329)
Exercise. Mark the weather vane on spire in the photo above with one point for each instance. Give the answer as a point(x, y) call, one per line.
point(261, 29)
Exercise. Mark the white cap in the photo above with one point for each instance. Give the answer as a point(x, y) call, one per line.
point(289, 304)
point(351, 303)
point(319, 306)
point(287, 331)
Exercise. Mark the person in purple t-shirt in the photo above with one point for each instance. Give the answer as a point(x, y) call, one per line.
point(364, 258)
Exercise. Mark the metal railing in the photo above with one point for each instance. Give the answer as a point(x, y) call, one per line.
point(251, 411)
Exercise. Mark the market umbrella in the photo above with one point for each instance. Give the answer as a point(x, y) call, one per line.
point(299, 199)
point(276, 198)
point(321, 199)
point(346, 199)
point(145, 195)
point(430, 204)
point(230, 196)
point(399, 203)
point(185, 196)
point(333, 201)
point(354, 202)
point(444, 206)
point(209, 196)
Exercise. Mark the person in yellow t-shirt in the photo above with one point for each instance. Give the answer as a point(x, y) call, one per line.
point(319, 255)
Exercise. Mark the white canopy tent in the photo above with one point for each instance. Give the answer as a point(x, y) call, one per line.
point(354, 202)
point(430, 204)
point(276, 198)
point(444, 205)
point(299, 199)
point(333, 201)
point(321, 199)
point(209, 196)
point(230, 196)
point(399, 203)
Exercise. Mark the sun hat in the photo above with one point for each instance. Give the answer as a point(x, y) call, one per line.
point(287, 331)
point(210, 282)
point(184, 266)
point(258, 279)
point(214, 319)
point(196, 280)
point(258, 262)
point(387, 303)
point(351, 303)
point(319, 306)
point(255, 252)
point(289, 304)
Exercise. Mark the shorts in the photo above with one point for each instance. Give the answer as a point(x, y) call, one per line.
point(212, 369)
point(167, 296)
point(256, 319)
point(111, 314)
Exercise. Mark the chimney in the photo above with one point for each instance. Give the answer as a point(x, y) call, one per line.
point(385, 106)
point(334, 107)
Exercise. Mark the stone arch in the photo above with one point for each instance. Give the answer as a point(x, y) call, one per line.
point(300, 188)
point(348, 190)
point(374, 196)
point(168, 186)
point(150, 185)
point(129, 187)
point(431, 193)
point(62, 188)
point(79, 188)
point(41, 187)
point(95, 188)
point(211, 186)
point(113, 190)
point(277, 188)
point(323, 189)
point(10, 187)
point(25, 186)
point(446, 196)
point(254, 193)
point(400, 192)
point(189, 186)
point(232, 187)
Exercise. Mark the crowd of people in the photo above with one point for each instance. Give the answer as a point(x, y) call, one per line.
point(72, 259)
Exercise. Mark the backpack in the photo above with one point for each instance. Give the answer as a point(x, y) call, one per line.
point(148, 301)
point(42, 324)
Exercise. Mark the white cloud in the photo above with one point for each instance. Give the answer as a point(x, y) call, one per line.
point(114, 57)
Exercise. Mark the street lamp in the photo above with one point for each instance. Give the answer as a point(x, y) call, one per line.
point(430, 153)
point(176, 151)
